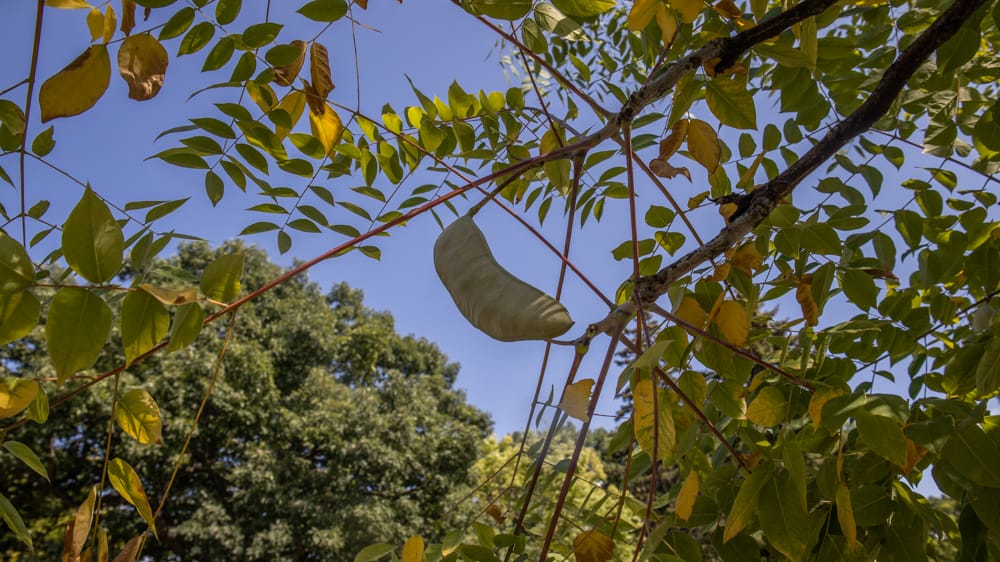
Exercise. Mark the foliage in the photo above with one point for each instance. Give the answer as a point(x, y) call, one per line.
point(849, 151)
point(326, 429)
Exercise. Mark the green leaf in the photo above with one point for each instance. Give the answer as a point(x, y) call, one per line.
point(92, 240)
point(731, 102)
point(126, 482)
point(221, 279)
point(859, 288)
point(261, 34)
point(975, 455)
point(16, 394)
point(214, 187)
point(215, 126)
point(768, 408)
point(17, 273)
point(187, 324)
point(14, 521)
point(178, 23)
point(501, 9)
point(987, 129)
point(138, 415)
point(988, 369)
point(27, 456)
point(374, 552)
point(18, 315)
point(584, 8)
point(38, 410)
point(884, 436)
point(43, 143)
point(183, 158)
point(12, 116)
point(77, 326)
point(746, 502)
point(784, 522)
point(961, 47)
point(144, 322)
point(220, 54)
point(196, 38)
point(227, 10)
point(324, 10)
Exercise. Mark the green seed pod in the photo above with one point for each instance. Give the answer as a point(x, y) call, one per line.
point(489, 296)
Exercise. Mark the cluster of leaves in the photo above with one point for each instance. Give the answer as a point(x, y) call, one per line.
point(779, 437)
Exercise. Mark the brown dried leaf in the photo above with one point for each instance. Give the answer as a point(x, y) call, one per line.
point(319, 71)
point(673, 140)
point(128, 16)
point(666, 170)
point(727, 9)
point(142, 63)
point(130, 551)
point(363, 4)
point(494, 511)
point(748, 259)
point(286, 75)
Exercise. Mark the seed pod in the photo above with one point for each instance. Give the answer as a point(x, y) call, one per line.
point(489, 296)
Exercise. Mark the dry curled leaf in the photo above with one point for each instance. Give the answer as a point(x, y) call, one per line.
point(664, 169)
point(142, 63)
point(319, 71)
point(286, 75)
point(128, 16)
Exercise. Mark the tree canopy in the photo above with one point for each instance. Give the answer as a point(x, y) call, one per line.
point(835, 159)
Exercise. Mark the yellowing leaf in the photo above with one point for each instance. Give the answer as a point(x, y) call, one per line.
point(551, 140)
point(593, 546)
point(745, 503)
point(126, 482)
point(810, 311)
point(319, 70)
point(769, 408)
point(19, 315)
point(845, 515)
point(691, 312)
point(664, 169)
point(646, 420)
point(721, 273)
point(95, 23)
point(748, 259)
point(687, 496)
point(642, 13)
point(413, 550)
point(688, 9)
point(110, 21)
point(79, 528)
point(78, 86)
point(16, 394)
point(671, 142)
point(144, 322)
point(138, 415)
point(128, 16)
point(727, 9)
point(576, 399)
point(67, 4)
point(285, 75)
point(734, 322)
point(819, 398)
point(703, 143)
point(327, 128)
point(220, 281)
point(727, 210)
point(914, 454)
point(171, 297)
point(494, 511)
point(293, 104)
point(667, 24)
point(142, 63)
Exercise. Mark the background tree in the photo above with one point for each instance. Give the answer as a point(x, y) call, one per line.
point(326, 430)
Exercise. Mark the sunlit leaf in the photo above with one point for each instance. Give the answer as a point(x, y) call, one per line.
point(734, 322)
point(138, 415)
point(220, 281)
point(126, 482)
point(16, 395)
point(93, 242)
point(17, 273)
point(576, 399)
point(646, 420)
point(319, 71)
point(642, 13)
point(374, 552)
point(768, 408)
point(593, 546)
point(687, 496)
point(78, 86)
point(142, 63)
point(187, 324)
point(584, 8)
point(884, 436)
point(688, 9)
point(413, 550)
point(703, 143)
point(324, 10)
point(731, 102)
point(144, 322)
point(501, 9)
point(327, 128)
point(77, 326)
point(27, 456)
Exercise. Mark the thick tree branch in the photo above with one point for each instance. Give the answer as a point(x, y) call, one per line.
point(758, 204)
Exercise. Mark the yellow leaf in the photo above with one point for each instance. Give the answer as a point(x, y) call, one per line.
point(78, 86)
point(171, 297)
point(727, 210)
point(128, 16)
point(593, 546)
point(703, 143)
point(16, 394)
point(576, 399)
point(327, 128)
point(293, 104)
point(748, 259)
point(126, 482)
point(689, 9)
point(666, 170)
point(769, 408)
point(67, 4)
point(691, 312)
point(642, 13)
point(845, 515)
point(803, 294)
point(734, 322)
point(139, 416)
point(671, 142)
point(687, 496)
point(95, 23)
point(110, 22)
point(727, 9)
point(285, 75)
point(413, 550)
point(697, 200)
point(667, 23)
point(819, 398)
point(142, 62)
point(262, 95)
point(721, 272)
point(319, 70)
point(551, 140)
point(646, 421)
